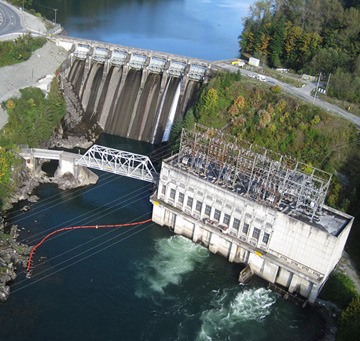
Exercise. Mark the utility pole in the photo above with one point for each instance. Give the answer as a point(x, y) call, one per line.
point(327, 85)
point(317, 87)
point(55, 10)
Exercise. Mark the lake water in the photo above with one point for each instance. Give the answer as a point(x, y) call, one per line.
point(207, 29)
point(139, 283)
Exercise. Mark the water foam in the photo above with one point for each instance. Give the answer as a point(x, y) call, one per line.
point(174, 257)
point(230, 314)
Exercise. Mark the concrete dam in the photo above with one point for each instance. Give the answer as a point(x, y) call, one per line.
point(132, 93)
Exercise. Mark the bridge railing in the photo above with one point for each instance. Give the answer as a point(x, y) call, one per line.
point(114, 48)
point(119, 162)
point(110, 160)
point(41, 153)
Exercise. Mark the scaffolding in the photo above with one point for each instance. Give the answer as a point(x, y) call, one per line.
point(253, 171)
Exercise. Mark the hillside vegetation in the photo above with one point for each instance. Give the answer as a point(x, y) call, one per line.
point(308, 36)
point(32, 119)
point(267, 117)
point(13, 52)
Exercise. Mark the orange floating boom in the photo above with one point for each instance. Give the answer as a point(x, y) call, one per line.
point(79, 227)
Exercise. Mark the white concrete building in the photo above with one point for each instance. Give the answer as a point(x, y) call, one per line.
point(254, 61)
point(253, 209)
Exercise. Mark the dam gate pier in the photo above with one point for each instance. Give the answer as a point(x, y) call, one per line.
point(130, 92)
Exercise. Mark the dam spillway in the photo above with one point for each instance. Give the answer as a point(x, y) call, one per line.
point(132, 93)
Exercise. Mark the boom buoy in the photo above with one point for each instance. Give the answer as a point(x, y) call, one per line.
point(70, 228)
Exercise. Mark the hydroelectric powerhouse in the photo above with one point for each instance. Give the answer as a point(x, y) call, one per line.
point(254, 207)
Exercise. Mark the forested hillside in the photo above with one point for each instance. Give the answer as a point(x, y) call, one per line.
point(308, 36)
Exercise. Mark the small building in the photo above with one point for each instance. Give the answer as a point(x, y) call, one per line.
point(238, 62)
point(308, 78)
point(254, 61)
point(254, 207)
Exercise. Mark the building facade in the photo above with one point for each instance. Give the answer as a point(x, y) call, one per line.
point(252, 209)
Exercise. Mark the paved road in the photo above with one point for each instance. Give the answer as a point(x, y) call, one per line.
point(10, 21)
point(302, 93)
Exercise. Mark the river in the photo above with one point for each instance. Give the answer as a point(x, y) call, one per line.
point(143, 282)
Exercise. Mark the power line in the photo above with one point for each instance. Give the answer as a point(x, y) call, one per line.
point(86, 216)
point(82, 259)
point(100, 236)
point(130, 199)
point(60, 202)
point(132, 196)
point(131, 202)
point(80, 227)
point(80, 190)
point(54, 198)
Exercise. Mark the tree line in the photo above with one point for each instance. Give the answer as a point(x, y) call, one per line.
point(308, 36)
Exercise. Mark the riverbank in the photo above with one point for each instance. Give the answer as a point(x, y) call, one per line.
point(12, 254)
point(38, 71)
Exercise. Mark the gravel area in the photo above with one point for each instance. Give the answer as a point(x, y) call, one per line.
point(33, 24)
point(37, 71)
point(33, 72)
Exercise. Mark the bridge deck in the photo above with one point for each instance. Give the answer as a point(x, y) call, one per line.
point(37, 153)
point(106, 159)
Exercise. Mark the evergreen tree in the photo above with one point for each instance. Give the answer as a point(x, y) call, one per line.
point(277, 42)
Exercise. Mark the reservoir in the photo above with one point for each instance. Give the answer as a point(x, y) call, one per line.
point(142, 282)
point(206, 29)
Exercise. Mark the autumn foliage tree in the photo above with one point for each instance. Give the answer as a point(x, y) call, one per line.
point(310, 36)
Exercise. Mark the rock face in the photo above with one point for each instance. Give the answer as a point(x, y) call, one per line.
point(74, 132)
point(67, 181)
point(12, 254)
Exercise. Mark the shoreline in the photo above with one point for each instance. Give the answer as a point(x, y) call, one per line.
point(12, 254)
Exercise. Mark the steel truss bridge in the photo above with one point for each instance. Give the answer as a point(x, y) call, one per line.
point(119, 162)
point(106, 159)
